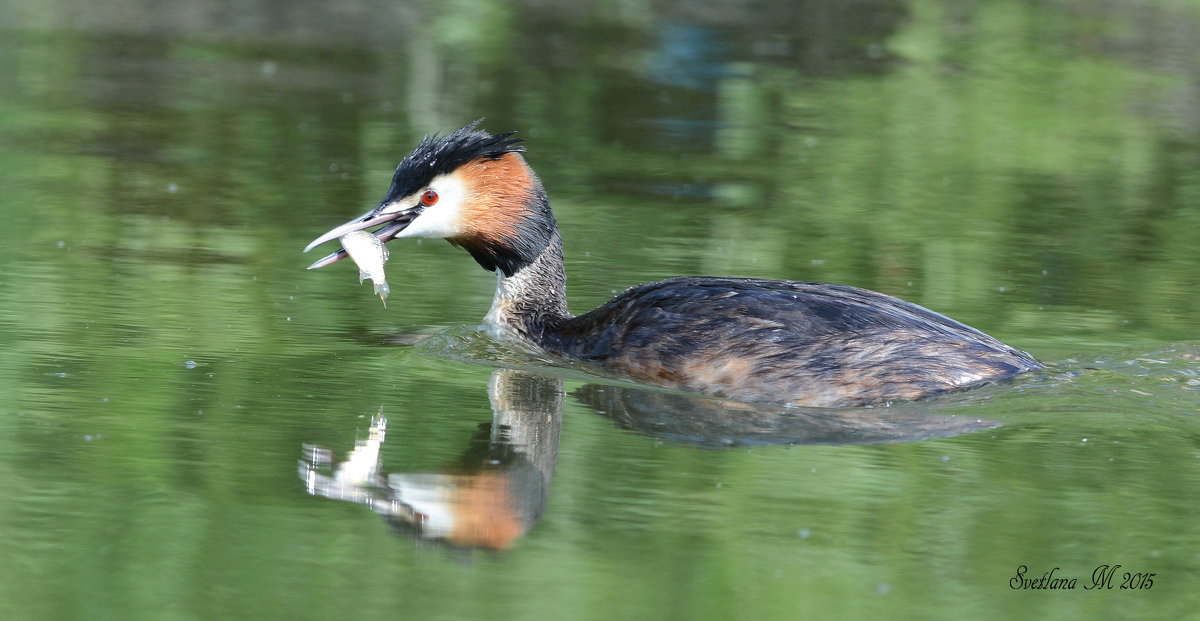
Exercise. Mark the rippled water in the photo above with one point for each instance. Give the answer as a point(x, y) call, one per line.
point(192, 426)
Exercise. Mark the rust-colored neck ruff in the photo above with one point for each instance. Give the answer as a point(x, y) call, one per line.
point(507, 222)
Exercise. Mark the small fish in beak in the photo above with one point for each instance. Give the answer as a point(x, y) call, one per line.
point(370, 254)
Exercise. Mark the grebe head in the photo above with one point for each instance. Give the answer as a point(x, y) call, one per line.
point(470, 188)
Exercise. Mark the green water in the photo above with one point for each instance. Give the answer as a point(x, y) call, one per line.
point(171, 369)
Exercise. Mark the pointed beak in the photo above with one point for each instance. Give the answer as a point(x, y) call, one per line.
point(394, 222)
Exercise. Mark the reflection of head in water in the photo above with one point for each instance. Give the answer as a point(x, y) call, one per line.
point(488, 498)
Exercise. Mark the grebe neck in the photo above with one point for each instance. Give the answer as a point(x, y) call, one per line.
point(534, 297)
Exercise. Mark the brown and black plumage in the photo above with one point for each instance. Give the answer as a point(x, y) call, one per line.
point(746, 339)
point(779, 340)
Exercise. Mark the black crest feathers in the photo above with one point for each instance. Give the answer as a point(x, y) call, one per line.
point(440, 155)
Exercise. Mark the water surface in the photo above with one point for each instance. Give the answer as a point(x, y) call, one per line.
point(175, 382)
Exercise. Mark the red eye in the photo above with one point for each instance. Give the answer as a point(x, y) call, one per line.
point(429, 197)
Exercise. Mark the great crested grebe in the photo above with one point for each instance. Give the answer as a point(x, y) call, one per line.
point(776, 341)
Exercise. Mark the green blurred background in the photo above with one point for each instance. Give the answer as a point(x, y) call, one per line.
point(1029, 168)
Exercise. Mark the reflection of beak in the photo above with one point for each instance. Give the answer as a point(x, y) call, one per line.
point(395, 222)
